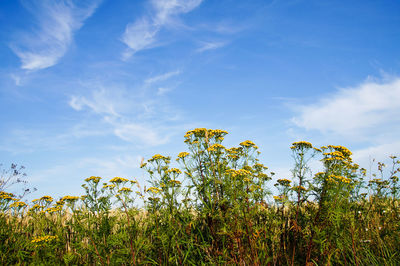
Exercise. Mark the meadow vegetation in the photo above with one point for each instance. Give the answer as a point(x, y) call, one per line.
point(215, 208)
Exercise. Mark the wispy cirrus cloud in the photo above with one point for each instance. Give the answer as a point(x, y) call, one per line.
point(142, 34)
point(132, 117)
point(56, 22)
point(162, 77)
point(372, 107)
point(210, 46)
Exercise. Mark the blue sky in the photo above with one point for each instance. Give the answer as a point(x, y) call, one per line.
point(91, 87)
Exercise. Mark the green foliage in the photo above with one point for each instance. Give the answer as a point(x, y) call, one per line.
point(216, 208)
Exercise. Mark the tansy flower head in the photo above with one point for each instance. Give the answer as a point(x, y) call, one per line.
point(248, 144)
point(18, 204)
point(118, 180)
point(174, 171)
point(215, 147)
point(95, 179)
point(284, 182)
point(183, 155)
point(125, 189)
point(301, 145)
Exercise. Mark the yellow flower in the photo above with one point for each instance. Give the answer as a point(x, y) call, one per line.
point(183, 155)
point(248, 144)
point(69, 198)
point(175, 182)
point(95, 179)
point(125, 189)
point(18, 204)
point(301, 144)
point(284, 182)
point(174, 170)
point(215, 147)
point(118, 180)
point(43, 239)
point(154, 189)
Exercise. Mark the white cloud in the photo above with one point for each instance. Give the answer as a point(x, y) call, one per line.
point(57, 21)
point(162, 77)
point(100, 102)
point(132, 117)
point(369, 108)
point(162, 90)
point(142, 33)
point(133, 132)
point(210, 46)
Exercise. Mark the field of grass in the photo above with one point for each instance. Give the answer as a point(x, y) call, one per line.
point(216, 208)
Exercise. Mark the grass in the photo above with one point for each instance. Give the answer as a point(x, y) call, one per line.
point(216, 208)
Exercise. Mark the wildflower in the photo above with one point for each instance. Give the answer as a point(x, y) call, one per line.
point(18, 204)
point(43, 239)
point(133, 182)
point(177, 182)
point(299, 188)
point(53, 209)
point(284, 182)
point(35, 207)
point(154, 189)
point(248, 144)
point(215, 147)
point(247, 180)
point(174, 170)
point(110, 186)
point(95, 179)
point(301, 145)
point(182, 155)
point(70, 198)
point(118, 180)
point(125, 189)
point(158, 157)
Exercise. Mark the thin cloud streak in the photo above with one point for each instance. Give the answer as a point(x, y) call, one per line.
point(57, 21)
point(162, 77)
point(210, 46)
point(142, 33)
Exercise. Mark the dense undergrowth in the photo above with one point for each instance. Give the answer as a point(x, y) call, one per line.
point(216, 208)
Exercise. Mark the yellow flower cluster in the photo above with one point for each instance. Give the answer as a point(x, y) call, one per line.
point(239, 172)
point(53, 209)
point(234, 150)
point(158, 157)
point(336, 178)
point(284, 182)
point(118, 180)
point(299, 188)
point(215, 147)
point(177, 182)
point(248, 144)
point(125, 189)
point(346, 152)
point(174, 171)
point(154, 189)
point(18, 204)
point(44, 198)
point(42, 239)
point(247, 180)
point(183, 155)
point(69, 198)
point(203, 132)
point(6, 196)
point(109, 186)
point(301, 144)
point(95, 179)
